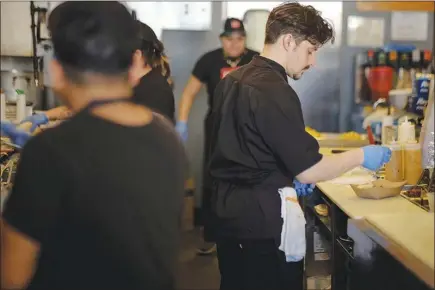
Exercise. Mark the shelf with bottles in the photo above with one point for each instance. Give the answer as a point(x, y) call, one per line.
point(378, 71)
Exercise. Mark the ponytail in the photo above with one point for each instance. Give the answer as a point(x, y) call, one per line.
point(153, 50)
point(160, 60)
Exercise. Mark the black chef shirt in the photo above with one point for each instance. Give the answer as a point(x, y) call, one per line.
point(259, 146)
point(155, 92)
point(104, 202)
point(212, 67)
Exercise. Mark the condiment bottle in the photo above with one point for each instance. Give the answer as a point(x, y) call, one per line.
point(21, 106)
point(406, 132)
point(412, 162)
point(394, 168)
point(388, 131)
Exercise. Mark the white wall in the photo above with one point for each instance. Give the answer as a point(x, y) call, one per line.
point(330, 10)
point(173, 15)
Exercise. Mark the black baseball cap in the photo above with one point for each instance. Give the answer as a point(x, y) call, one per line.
point(146, 33)
point(233, 25)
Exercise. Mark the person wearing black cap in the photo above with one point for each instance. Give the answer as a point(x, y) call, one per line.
point(151, 76)
point(97, 201)
point(208, 71)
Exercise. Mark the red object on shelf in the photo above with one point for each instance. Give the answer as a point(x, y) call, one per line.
point(380, 81)
point(370, 135)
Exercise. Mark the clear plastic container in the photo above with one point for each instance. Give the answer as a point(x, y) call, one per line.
point(412, 162)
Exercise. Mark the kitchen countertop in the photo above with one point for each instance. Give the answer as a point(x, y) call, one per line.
point(418, 237)
point(355, 207)
point(408, 237)
point(400, 227)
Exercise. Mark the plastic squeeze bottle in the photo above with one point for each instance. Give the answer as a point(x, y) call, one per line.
point(394, 168)
point(412, 162)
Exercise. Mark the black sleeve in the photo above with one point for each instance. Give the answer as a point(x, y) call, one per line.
point(171, 105)
point(283, 130)
point(202, 69)
point(34, 204)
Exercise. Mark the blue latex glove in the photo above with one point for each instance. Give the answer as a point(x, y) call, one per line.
point(375, 156)
point(36, 120)
point(17, 136)
point(303, 189)
point(181, 128)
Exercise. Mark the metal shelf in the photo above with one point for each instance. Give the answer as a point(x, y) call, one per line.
point(325, 222)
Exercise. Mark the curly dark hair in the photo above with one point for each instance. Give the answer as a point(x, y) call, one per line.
point(303, 22)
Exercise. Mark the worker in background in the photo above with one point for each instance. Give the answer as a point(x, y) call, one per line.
point(151, 78)
point(208, 71)
point(260, 146)
point(97, 201)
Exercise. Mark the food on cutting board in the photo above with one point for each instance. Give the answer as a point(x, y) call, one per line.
point(351, 136)
point(312, 132)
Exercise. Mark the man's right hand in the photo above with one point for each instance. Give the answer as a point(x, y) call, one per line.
point(375, 157)
point(181, 128)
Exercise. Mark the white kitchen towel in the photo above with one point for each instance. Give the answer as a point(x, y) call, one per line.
point(293, 242)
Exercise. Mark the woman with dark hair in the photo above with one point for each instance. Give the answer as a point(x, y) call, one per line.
point(151, 74)
point(97, 200)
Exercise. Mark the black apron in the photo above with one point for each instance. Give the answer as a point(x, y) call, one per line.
point(208, 217)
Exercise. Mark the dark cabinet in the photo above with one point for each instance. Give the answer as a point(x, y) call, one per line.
point(356, 262)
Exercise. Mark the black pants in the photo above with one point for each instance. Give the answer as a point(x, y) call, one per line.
point(257, 265)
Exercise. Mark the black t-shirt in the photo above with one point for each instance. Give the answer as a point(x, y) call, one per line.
point(212, 67)
point(259, 144)
point(155, 92)
point(104, 201)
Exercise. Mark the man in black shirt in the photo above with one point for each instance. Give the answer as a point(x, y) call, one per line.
point(209, 70)
point(96, 202)
point(259, 146)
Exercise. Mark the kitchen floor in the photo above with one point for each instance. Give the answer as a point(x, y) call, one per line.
point(202, 273)
point(196, 272)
